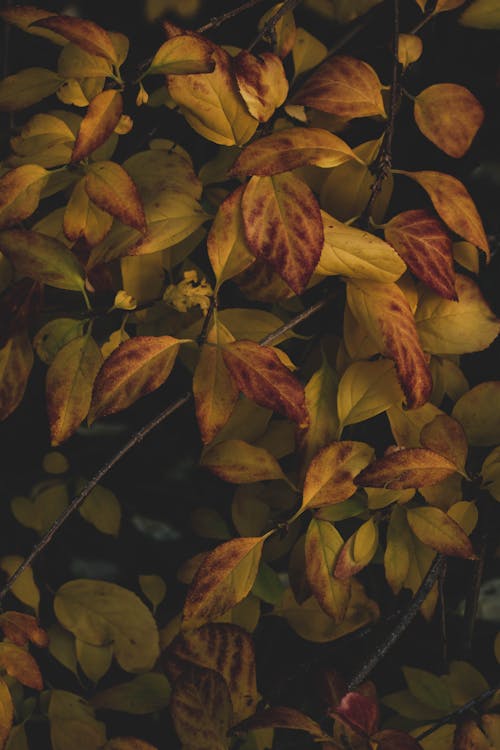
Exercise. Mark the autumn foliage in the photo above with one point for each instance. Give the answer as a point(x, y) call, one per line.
point(356, 456)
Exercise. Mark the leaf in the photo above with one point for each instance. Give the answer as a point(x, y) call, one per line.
point(323, 544)
point(260, 375)
point(111, 188)
point(454, 205)
point(477, 412)
point(20, 190)
point(365, 390)
point(357, 254)
point(307, 52)
point(201, 709)
point(94, 661)
point(102, 117)
point(21, 629)
point(86, 34)
point(283, 226)
point(144, 694)
point(358, 551)
point(398, 549)
point(23, 16)
point(283, 717)
point(481, 14)
point(406, 467)
point(19, 664)
point(239, 462)
point(82, 218)
point(440, 532)
point(425, 245)
point(69, 383)
point(42, 259)
point(73, 723)
point(395, 739)
point(330, 476)
point(132, 743)
point(99, 612)
point(410, 48)
point(182, 55)
point(490, 473)
point(359, 712)
point(321, 405)
point(102, 510)
point(384, 311)
point(345, 87)
point(24, 588)
point(291, 148)
point(261, 81)
point(16, 362)
point(228, 650)
point(450, 116)
point(27, 87)
point(223, 579)
point(446, 436)
point(137, 367)
point(448, 327)
point(6, 713)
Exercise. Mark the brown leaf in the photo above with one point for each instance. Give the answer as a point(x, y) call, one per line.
point(102, 117)
point(468, 736)
point(440, 532)
point(261, 81)
point(20, 193)
point(446, 436)
point(449, 116)
point(384, 311)
point(19, 663)
point(21, 628)
point(395, 739)
point(409, 467)
point(359, 712)
point(137, 367)
point(261, 376)
point(16, 361)
point(85, 34)
point(283, 717)
point(113, 190)
point(343, 86)
point(6, 712)
point(330, 476)
point(426, 247)
point(283, 226)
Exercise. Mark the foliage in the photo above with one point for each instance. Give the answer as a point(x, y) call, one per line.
point(356, 448)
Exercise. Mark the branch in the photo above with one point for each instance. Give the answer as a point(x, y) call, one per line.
point(449, 718)
point(402, 624)
point(137, 438)
point(217, 21)
point(269, 26)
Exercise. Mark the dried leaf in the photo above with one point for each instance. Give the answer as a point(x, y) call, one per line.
point(16, 361)
point(102, 117)
point(284, 32)
point(21, 629)
point(359, 712)
point(239, 462)
point(86, 34)
point(330, 476)
point(408, 467)
point(323, 545)
point(111, 188)
point(27, 87)
point(261, 82)
point(440, 532)
point(20, 190)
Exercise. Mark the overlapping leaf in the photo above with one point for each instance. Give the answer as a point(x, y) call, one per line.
point(408, 467)
point(226, 243)
point(261, 82)
point(358, 551)
point(330, 477)
point(86, 34)
point(102, 117)
point(440, 532)
point(182, 55)
point(16, 361)
point(323, 545)
point(20, 193)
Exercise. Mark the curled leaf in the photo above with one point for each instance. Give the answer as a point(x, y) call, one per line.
point(261, 82)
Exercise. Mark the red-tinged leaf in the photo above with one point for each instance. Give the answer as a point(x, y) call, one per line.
point(426, 247)
point(449, 116)
point(19, 305)
point(283, 717)
point(223, 579)
point(137, 367)
point(330, 476)
point(446, 436)
point(16, 361)
point(20, 629)
point(24, 16)
point(468, 736)
point(102, 117)
point(70, 379)
point(323, 544)
point(6, 713)
point(241, 463)
point(82, 218)
point(261, 376)
point(440, 532)
point(343, 86)
point(358, 551)
point(20, 193)
point(359, 712)
point(226, 243)
point(283, 226)
point(291, 148)
point(394, 739)
point(261, 81)
point(405, 468)
point(113, 190)
point(19, 663)
point(85, 34)
point(384, 311)
point(454, 205)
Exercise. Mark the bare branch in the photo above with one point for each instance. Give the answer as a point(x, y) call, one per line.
point(449, 718)
point(217, 21)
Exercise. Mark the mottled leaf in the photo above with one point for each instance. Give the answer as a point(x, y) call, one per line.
point(261, 82)
point(450, 116)
point(407, 467)
point(330, 476)
point(438, 530)
point(182, 55)
point(18, 663)
point(86, 34)
point(111, 188)
point(20, 190)
point(102, 117)
point(323, 544)
point(16, 361)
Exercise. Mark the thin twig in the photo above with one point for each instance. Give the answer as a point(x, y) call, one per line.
point(268, 28)
point(473, 703)
point(442, 608)
point(275, 335)
point(472, 600)
point(401, 625)
point(215, 22)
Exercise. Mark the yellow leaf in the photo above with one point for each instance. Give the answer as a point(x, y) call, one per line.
point(252, 324)
point(330, 476)
point(465, 513)
point(481, 14)
point(283, 226)
point(365, 390)
point(24, 588)
point(28, 87)
point(239, 462)
point(307, 52)
point(144, 694)
point(450, 116)
point(154, 588)
point(139, 366)
point(448, 327)
point(490, 473)
point(223, 579)
point(291, 148)
point(62, 647)
point(467, 255)
point(407, 424)
point(163, 172)
point(261, 82)
point(40, 513)
point(398, 550)
point(406, 468)
point(102, 510)
point(227, 248)
point(228, 650)
point(439, 531)
point(323, 545)
point(321, 405)
point(182, 55)
point(478, 411)
point(358, 551)
point(69, 384)
point(446, 436)
point(6, 713)
point(143, 277)
point(111, 188)
point(16, 361)
point(249, 513)
point(98, 612)
point(448, 379)
point(20, 190)
point(86, 34)
point(283, 33)
point(73, 723)
point(410, 49)
point(23, 16)
point(76, 63)
point(54, 335)
point(94, 661)
point(102, 117)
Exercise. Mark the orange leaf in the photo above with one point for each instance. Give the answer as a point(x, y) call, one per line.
point(437, 530)
point(137, 367)
point(261, 376)
point(409, 467)
point(16, 361)
point(426, 247)
point(283, 226)
point(85, 34)
point(449, 116)
point(343, 86)
point(330, 476)
point(20, 193)
point(19, 664)
point(261, 81)
point(20, 628)
point(384, 311)
point(453, 203)
point(113, 190)
point(291, 148)
point(102, 117)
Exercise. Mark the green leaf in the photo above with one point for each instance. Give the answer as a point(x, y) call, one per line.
point(27, 87)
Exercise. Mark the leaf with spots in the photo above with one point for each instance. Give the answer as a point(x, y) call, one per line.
point(182, 55)
point(322, 547)
point(102, 117)
point(20, 190)
point(283, 226)
point(241, 463)
point(438, 530)
point(113, 190)
point(261, 82)
point(405, 468)
point(450, 116)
